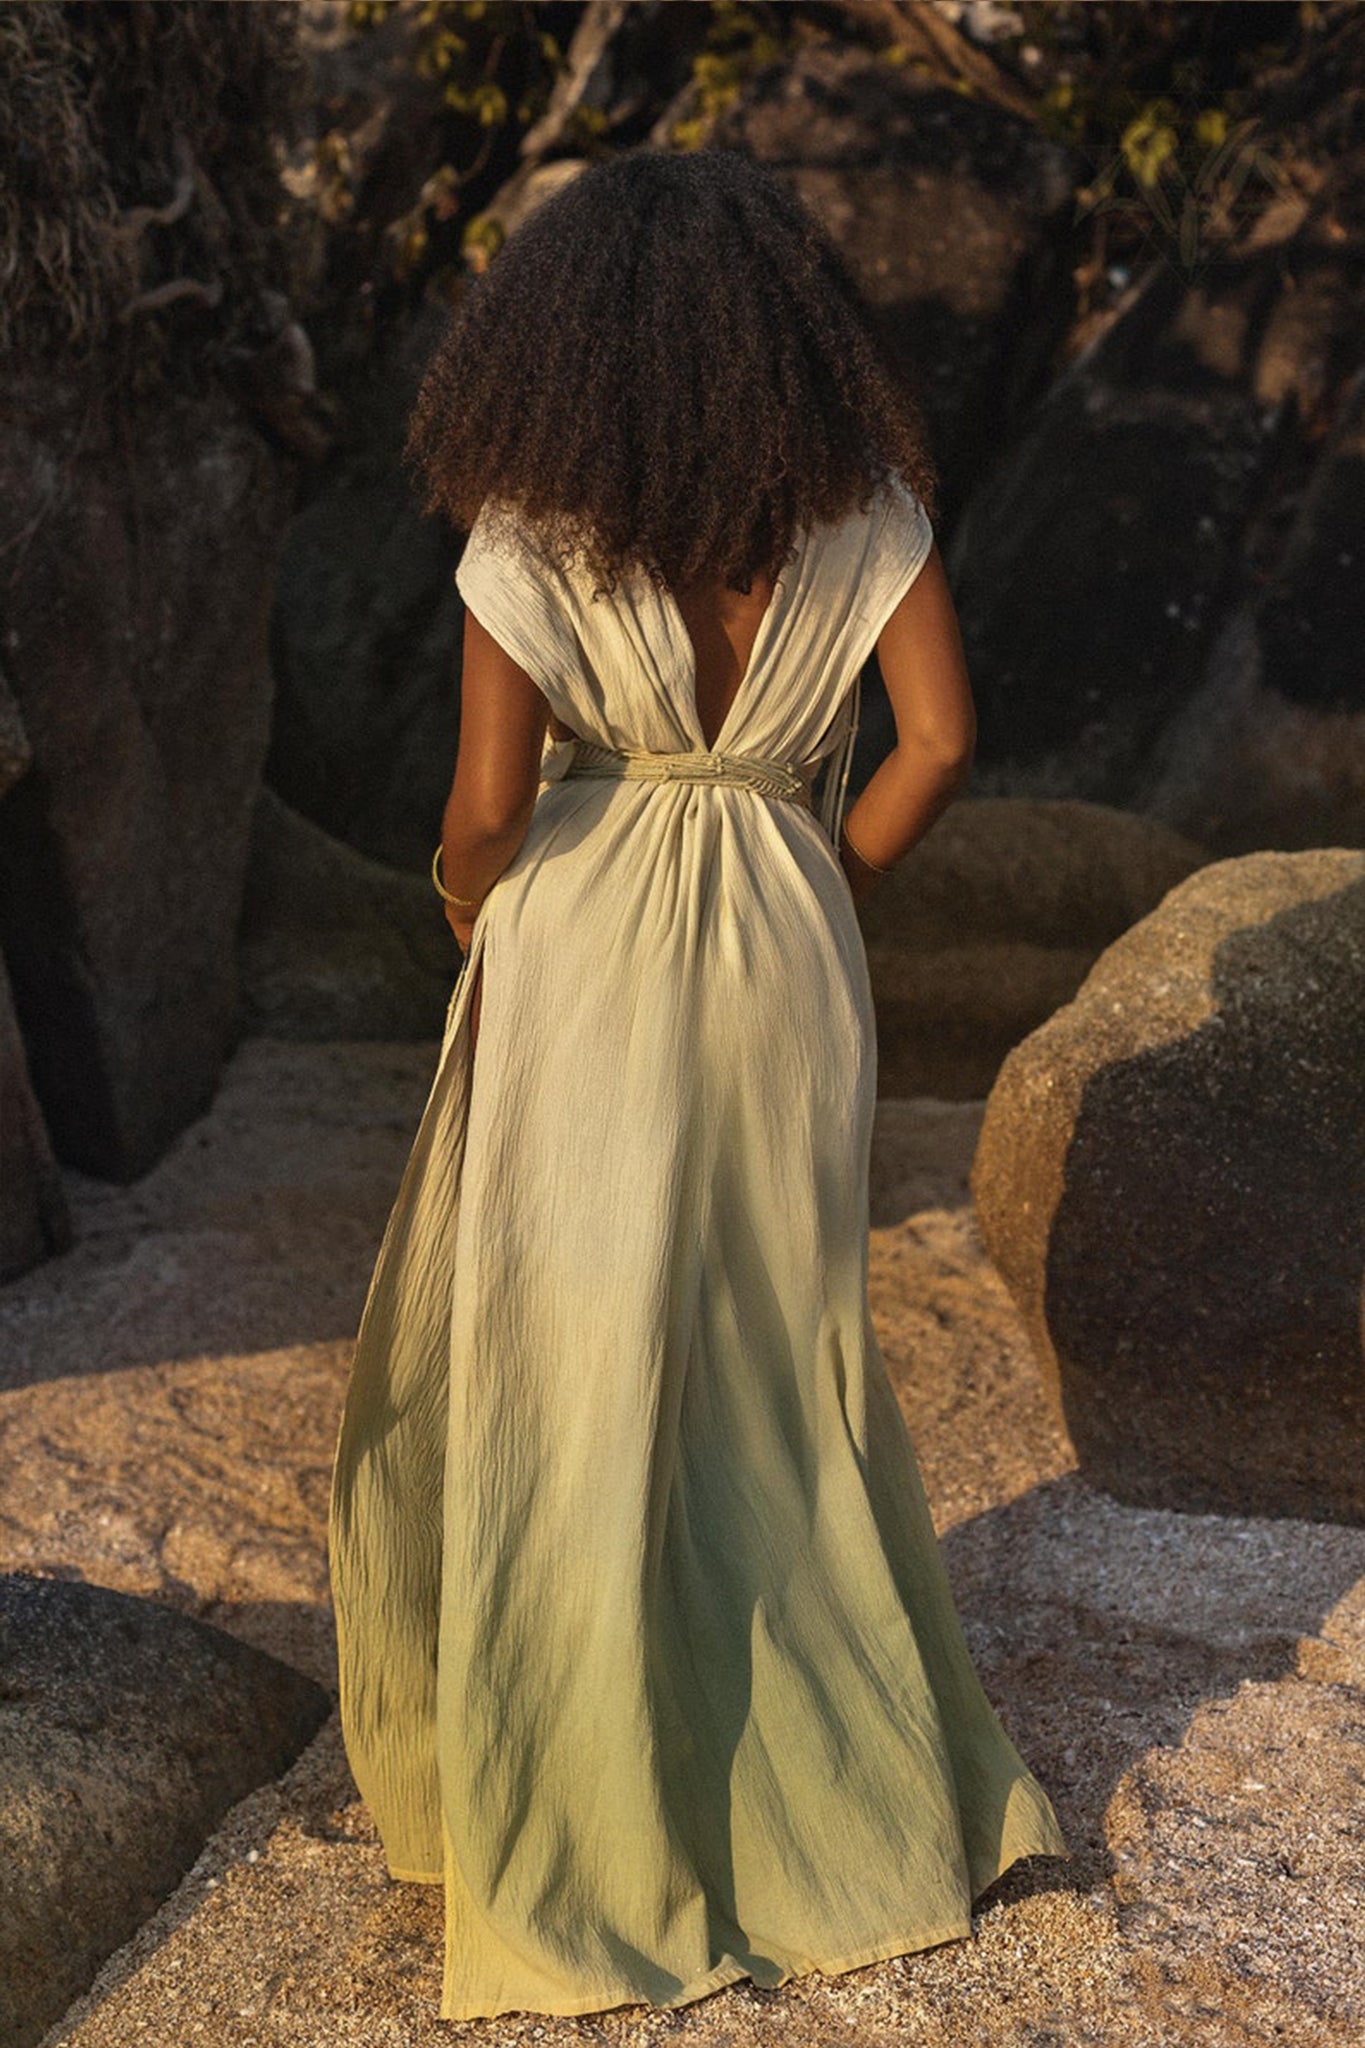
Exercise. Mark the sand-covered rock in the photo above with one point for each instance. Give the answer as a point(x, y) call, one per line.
point(993, 920)
point(1171, 1176)
point(334, 945)
point(126, 1732)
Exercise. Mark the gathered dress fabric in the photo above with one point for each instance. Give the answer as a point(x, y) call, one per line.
point(648, 1655)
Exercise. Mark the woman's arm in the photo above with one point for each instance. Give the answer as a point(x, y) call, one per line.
point(503, 718)
point(924, 668)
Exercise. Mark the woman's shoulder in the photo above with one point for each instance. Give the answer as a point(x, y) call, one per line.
point(505, 578)
point(891, 529)
point(879, 551)
point(899, 510)
point(500, 532)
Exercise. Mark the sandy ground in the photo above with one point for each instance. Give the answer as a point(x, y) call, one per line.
point(1189, 1688)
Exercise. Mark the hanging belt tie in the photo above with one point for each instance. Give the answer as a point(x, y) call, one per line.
point(742, 771)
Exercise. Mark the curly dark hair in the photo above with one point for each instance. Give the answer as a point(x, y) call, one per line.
point(668, 366)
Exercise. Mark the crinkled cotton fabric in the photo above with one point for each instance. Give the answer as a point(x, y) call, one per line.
point(648, 1655)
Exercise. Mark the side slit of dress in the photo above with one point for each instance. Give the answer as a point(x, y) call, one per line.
point(386, 1515)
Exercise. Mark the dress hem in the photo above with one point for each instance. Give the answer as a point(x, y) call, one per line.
point(731, 1973)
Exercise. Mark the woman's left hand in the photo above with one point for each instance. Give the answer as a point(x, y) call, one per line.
point(463, 929)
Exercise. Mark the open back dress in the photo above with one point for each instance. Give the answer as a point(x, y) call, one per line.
point(648, 1655)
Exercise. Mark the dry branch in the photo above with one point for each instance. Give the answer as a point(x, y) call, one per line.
point(131, 223)
point(919, 28)
point(597, 25)
point(160, 295)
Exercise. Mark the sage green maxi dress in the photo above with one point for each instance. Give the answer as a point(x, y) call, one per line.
point(648, 1655)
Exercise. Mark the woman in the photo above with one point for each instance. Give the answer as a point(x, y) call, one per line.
point(648, 1656)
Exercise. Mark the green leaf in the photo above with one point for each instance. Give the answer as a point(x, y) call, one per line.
point(1149, 143)
point(490, 104)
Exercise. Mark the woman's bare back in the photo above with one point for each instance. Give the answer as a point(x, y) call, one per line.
point(723, 626)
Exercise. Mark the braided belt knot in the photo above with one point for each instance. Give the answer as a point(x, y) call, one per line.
point(742, 771)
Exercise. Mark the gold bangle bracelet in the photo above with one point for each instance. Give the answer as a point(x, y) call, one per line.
point(465, 902)
point(863, 857)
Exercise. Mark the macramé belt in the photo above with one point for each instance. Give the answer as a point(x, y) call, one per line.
point(744, 771)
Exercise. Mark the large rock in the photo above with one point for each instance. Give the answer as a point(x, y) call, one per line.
point(365, 637)
point(337, 946)
point(127, 1732)
point(1092, 564)
point(135, 618)
point(954, 215)
point(366, 632)
point(1146, 501)
point(1270, 751)
point(1170, 1178)
point(993, 921)
point(366, 641)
